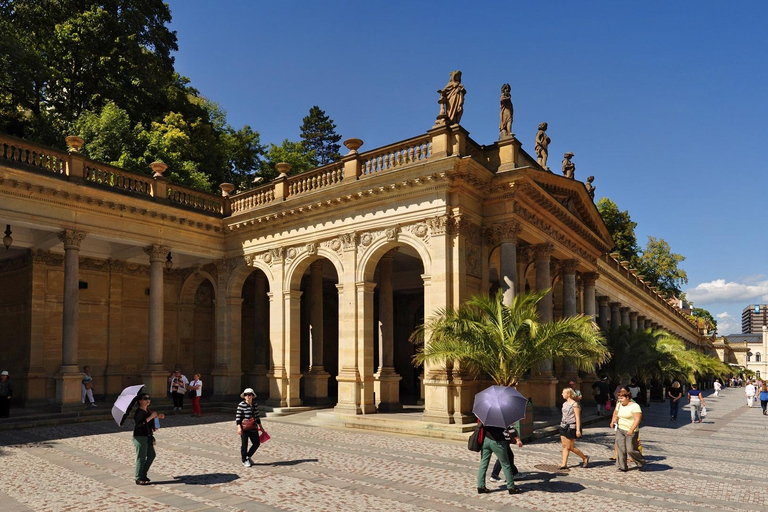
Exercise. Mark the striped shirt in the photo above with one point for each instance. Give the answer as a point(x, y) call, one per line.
point(245, 411)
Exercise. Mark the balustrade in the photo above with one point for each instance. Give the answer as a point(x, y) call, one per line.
point(253, 198)
point(316, 179)
point(116, 178)
point(15, 150)
point(195, 199)
point(402, 153)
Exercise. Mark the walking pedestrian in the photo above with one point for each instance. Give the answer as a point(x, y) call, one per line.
point(674, 393)
point(510, 437)
point(143, 438)
point(600, 392)
point(696, 401)
point(764, 397)
point(248, 425)
point(626, 422)
point(6, 393)
point(195, 392)
point(749, 391)
point(494, 443)
point(576, 393)
point(179, 384)
point(86, 387)
point(570, 428)
point(717, 387)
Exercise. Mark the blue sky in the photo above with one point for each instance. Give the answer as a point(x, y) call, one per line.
point(663, 102)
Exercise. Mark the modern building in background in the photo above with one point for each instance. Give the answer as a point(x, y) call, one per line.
point(753, 318)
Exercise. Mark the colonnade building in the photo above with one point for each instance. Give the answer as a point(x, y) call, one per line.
point(306, 288)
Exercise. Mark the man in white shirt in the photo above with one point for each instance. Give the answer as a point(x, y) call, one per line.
point(750, 392)
point(717, 386)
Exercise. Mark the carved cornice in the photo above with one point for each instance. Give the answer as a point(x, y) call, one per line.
point(94, 264)
point(98, 205)
point(538, 223)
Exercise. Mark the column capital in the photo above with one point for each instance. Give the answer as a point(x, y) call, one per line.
point(603, 300)
point(156, 252)
point(624, 309)
point(508, 232)
point(365, 286)
point(615, 305)
point(71, 238)
point(543, 251)
point(569, 266)
point(589, 278)
point(633, 314)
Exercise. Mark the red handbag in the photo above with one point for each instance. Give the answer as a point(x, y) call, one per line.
point(263, 437)
point(249, 424)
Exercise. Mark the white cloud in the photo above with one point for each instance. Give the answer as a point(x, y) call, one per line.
point(725, 316)
point(721, 291)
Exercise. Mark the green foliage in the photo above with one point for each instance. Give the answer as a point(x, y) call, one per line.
point(706, 316)
point(103, 70)
point(484, 336)
point(318, 135)
point(291, 153)
point(660, 266)
point(622, 229)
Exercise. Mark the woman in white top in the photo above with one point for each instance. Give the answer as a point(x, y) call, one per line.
point(717, 386)
point(196, 391)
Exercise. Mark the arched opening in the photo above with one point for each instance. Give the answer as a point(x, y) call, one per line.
point(255, 330)
point(398, 308)
point(319, 333)
point(757, 357)
point(200, 359)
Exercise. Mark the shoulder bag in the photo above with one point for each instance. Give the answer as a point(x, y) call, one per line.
point(475, 443)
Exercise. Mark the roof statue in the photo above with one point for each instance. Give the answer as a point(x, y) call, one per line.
point(590, 187)
point(506, 112)
point(451, 100)
point(542, 146)
point(569, 168)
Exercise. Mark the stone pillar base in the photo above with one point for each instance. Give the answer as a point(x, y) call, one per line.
point(316, 387)
point(278, 388)
point(438, 403)
point(155, 380)
point(386, 387)
point(349, 392)
point(544, 392)
point(68, 382)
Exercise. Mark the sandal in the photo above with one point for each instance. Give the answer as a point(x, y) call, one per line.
point(563, 467)
point(586, 461)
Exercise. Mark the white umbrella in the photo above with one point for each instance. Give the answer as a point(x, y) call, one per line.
point(125, 403)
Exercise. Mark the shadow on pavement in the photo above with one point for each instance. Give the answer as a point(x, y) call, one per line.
point(559, 486)
point(285, 462)
point(203, 479)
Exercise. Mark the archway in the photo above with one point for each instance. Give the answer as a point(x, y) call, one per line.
point(255, 342)
point(197, 329)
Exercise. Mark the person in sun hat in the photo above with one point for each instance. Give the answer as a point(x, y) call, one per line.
point(6, 393)
point(248, 413)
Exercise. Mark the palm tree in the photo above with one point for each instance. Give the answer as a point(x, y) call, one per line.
point(484, 336)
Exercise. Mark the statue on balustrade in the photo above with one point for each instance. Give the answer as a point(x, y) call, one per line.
point(590, 187)
point(542, 146)
point(505, 112)
point(452, 99)
point(569, 168)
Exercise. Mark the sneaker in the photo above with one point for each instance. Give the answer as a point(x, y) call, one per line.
point(494, 479)
point(520, 475)
point(247, 463)
point(93, 404)
point(251, 461)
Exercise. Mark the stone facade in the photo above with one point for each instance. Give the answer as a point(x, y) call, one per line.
point(306, 288)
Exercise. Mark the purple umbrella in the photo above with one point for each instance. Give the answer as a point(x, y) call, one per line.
point(499, 406)
point(125, 403)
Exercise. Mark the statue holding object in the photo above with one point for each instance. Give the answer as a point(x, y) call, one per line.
point(569, 168)
point(506, 112)
point(542, 146)
point(452, 100)
point(590, 187)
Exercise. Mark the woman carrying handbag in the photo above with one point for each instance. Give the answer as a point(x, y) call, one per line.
point(248, 425)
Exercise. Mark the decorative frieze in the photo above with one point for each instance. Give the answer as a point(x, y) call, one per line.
point(538, 223)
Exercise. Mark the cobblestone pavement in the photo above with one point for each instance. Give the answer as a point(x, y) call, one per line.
point(718, 465)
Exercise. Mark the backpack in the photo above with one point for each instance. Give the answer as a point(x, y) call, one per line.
point(475, 443)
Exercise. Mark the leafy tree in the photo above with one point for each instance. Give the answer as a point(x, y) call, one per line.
point(484, 336)
point(622, 229)
point(660, 266)
point(706, 316)
point(291, 153)
point(318, 135)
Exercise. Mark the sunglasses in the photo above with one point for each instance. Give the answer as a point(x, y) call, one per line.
point(249, 394)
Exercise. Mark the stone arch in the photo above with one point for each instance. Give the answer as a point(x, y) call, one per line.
point(196, 328)
point(190, 285)
point(370, 258)
point(241, 273)
point(296, 268)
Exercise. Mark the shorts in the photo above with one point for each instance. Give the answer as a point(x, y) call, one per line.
point(568, 432)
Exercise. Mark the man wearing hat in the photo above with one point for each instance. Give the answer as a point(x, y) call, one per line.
point(6, 392)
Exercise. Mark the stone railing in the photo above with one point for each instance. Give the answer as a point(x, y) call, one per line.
point(195, 199)
point(252, 199)
point(40, 157)
point(408, 151)
point(315, 179)
point(116, 178)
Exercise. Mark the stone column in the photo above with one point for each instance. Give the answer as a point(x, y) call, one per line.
point(69, 376)
point(568, 269)
point(603, 304)
point(386, 385)
point(633, 321)
point(316, 379)
point(543, 383)
point(615, 315)
point(508, 279)
point(647, 323)
point(523, 256)
point(640, 322)
point(589, 279)
point(155, 375)
point(624, 316)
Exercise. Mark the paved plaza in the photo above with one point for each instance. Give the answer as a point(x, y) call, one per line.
point(719, 465)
